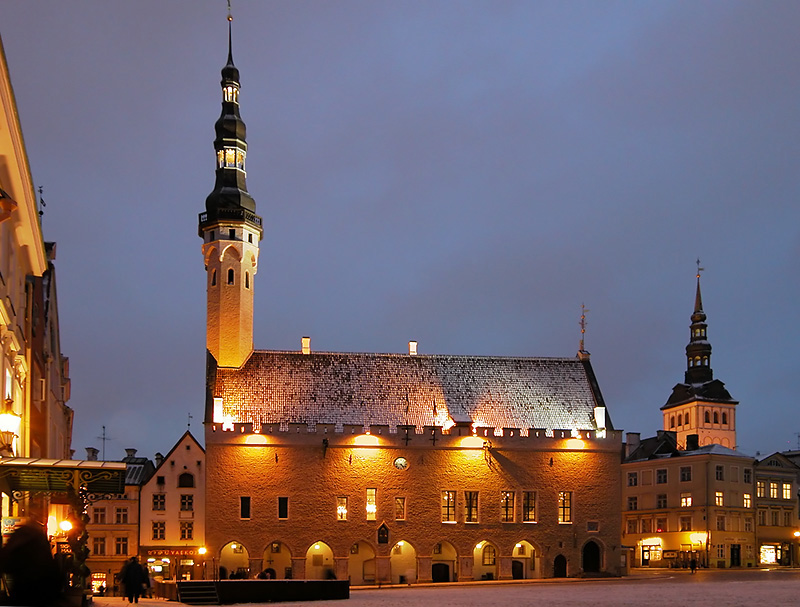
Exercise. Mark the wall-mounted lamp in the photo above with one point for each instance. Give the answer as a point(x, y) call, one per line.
point(9, 428)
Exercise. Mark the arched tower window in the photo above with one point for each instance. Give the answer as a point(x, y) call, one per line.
point(186, 480)
point(680, 420)
point(707, 417)
point(213, 278)
point(716, 417)
point(247, 280)
point(705, 361)
point(724, 418)
point(230, 276)
point(672, 422)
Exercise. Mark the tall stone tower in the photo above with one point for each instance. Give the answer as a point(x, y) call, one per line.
point(700, 405)
point(230, 230)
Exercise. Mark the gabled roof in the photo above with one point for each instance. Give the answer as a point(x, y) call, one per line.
point(401, 389)
point(779, 460)
point(186, 436)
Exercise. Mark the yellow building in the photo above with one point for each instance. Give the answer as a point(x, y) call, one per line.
point(777, 525)
point(389, 467)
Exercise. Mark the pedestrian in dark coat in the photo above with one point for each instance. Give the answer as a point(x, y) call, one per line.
point(28, 565)
point(134, 578)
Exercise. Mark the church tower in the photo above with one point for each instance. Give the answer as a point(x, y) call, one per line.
point(700, 405)
point(230, 230)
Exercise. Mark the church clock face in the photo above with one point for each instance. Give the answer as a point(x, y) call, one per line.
point(401, 463)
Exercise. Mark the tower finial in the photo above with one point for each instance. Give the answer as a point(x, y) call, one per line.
point(230, 16)
point(582, 323)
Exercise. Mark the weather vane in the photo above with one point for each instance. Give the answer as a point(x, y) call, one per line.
point(699, 269)
point(582, 323)
point(230, 16)
point(42, 205)
point(189, 422)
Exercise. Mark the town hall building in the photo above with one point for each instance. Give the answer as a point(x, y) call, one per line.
point(389, 468)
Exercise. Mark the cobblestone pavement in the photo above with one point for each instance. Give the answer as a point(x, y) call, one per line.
point(678, 589)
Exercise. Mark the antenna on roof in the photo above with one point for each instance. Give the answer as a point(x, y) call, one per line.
point(189, 422)
point(104, 438)
point(582, 323)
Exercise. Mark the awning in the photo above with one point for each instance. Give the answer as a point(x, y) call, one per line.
point(62, 475)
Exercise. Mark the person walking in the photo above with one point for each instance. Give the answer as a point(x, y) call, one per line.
point(134, 578)
point(693, 565)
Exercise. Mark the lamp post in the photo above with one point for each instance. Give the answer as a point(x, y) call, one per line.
point(9, 428)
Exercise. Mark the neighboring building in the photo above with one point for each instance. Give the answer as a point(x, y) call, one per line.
point(114, 522)
point(680, 504)
point(389, 467)
point(777, 506)
point(35, 421)
point(687, 493)
point(172, 519)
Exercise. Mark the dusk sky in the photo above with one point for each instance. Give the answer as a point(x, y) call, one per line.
point(461, 173)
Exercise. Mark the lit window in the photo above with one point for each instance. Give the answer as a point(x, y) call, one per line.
point(470, 506)
point(187, 530)
point(489, 555)
point(686, 523)
point(187, 503)
point(760, 488)
point(372, 504)
point(718, 498)
point(720, 473)
point(565, 506)
point(661, 500)
point(773, 490)
point(686, 474)
point(230, 93)
point(747, 501)
point(633, 479)
point(341, 508)
point(399, 508)
point(686, 500)
point(787, 491)
point(507, 506)
point(99, 516)
point(159, 501)
point(159, 530)
point(283, 508)
point(121, 516)
point(448, 506)
point(661, 476)
point(528, 506)
point(121, 546)
point(99, 546)
point(633, 503)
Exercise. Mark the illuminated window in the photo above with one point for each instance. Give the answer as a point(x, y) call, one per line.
point(283, 508)
point(99, 546)
point(633, 525)
point(372, 504)
point(773, 490)
point(159, 530)
point(507, 506)
point(565, 506)
point(661, 525)
point(787, 491)
point(686, 523)
point(489, 555)
point(718, 498)
point(159, 501)
point(187, 530)
point(121, 546)
point(747, 501)
point(633, 503)
point(121, 516)
point(448, 506)
point(399, 508)
point(187, 503)
point(686, 474)
point(720, 473)
point(720, 523)
point(99, 516)
point(244, 507)
point(186, 480)
point(661, 476)
point(748, 475)
point(686, 500)
point(529, 506)
point(761, 487)
point(633, 479)
point(230, 93)
point(470, 506)
point(341, 508)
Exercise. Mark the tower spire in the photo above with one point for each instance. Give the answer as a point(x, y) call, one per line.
point(698, 351)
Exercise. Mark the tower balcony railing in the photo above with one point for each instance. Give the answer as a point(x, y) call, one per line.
point(231, 214)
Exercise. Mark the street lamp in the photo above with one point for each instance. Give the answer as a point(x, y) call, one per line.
point(9, 428)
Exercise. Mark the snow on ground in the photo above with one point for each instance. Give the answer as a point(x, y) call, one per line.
point(679, 589)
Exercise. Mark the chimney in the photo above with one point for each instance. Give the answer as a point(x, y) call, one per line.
point(412, 348)
point(91, 454)
point(632, 440)
point(159, 457)
point(306, 345)
point(692, 442)
point(130, 452)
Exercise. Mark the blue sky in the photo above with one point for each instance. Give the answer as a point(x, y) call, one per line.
point(465, 174)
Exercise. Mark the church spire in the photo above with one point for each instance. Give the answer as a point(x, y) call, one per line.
point(698, 351)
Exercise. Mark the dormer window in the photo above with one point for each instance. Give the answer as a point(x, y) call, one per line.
point(231, 93)
point(230, 158)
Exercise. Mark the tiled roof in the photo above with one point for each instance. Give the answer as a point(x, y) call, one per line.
point(420, 390)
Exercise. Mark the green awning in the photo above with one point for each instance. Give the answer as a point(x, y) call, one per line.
point(62, 475)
